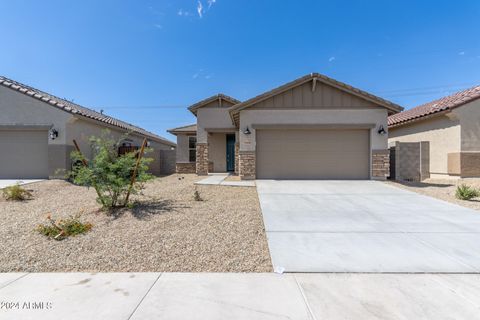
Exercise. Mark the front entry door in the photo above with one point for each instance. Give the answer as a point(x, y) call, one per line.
point(230, 152)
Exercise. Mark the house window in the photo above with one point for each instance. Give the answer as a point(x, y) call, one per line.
point(192, 149)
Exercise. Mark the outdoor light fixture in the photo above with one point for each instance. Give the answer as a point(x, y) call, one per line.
point(247, 131)
point(53, 134)
point(381, 130)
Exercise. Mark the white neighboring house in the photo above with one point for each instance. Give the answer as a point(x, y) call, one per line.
point(37, 132)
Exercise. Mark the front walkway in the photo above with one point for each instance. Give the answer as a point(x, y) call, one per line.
point(11, 182)
point(365, 226)
point(219, 179)
point(238, 296)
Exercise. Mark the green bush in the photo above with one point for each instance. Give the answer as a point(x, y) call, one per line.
point(16, 193)
point(109, 173)
point(63, 228)
point(465, 192)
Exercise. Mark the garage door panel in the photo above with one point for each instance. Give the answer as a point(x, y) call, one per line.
point(23, 154)
point(313, 154)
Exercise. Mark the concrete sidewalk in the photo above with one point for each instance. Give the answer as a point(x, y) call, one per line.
point(238, 296)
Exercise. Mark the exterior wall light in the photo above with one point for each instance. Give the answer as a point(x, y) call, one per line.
point(382, 131)
point(247, 131)
point(53, 134)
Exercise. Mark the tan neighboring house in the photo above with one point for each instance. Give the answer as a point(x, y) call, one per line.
point(37, 132)
point(311, 128)
point(451, 126)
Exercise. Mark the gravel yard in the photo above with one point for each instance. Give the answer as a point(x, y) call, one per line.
point(442, 189)
point(168, 231)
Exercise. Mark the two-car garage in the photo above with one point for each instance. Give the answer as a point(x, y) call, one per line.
point(313, 154)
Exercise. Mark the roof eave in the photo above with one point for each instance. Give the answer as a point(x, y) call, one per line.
point(394, 108)
point(420, 118)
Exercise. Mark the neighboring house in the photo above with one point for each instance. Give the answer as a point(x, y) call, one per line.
point(451, 126)
point(37, 132)
point(312, 128)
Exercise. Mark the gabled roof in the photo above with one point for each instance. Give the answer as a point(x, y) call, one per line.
point(443, 104)
point(321, 78)
point(78, 110)
point(191, 128)
point(194, 107)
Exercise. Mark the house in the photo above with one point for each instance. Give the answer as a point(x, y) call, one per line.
point(451, 126)
point(311, 128)
point(37, 132)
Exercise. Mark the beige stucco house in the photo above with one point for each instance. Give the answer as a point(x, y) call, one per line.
point(37, 132)
point(311, 128)
point(451, 126)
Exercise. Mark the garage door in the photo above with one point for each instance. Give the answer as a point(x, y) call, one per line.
point(23, 154)
point(313, 154)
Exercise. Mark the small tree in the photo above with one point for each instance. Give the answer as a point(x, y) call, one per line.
point(109, 173)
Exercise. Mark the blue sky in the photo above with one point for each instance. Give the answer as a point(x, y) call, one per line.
point(146, 61)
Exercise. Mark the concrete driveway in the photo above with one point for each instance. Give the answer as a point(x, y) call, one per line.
point(366, 226)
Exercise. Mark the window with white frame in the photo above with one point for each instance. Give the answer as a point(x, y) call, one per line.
point(192, 148)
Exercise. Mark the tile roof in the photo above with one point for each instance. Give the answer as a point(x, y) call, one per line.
point(184, 129)
point(443, 104)
point(76, 109)
point(193, 108)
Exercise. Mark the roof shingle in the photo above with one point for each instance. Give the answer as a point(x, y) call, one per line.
point(76, 109)
point(443, 104)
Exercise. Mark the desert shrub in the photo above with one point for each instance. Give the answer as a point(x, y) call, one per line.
point(63, 228)
point(110, 173)
point(197, 196)
point(465, 192)
point(16, 193)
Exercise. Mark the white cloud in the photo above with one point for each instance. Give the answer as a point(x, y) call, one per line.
point(200, 9)
point(462, 53)
point(183, 13)
point(331, 59)
point(208, 76)
point(211, 3)
point(158, 26)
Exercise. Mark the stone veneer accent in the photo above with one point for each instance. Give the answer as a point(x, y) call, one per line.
point(246, 165)
point(202, 159)
point(380, 164)
point(186, 167)
point(237, 153)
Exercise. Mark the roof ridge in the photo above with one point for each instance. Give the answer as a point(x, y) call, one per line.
point(309, 77)
point(74, 108)
point(202, 102)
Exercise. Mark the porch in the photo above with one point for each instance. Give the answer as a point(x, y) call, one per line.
point(219, 154)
